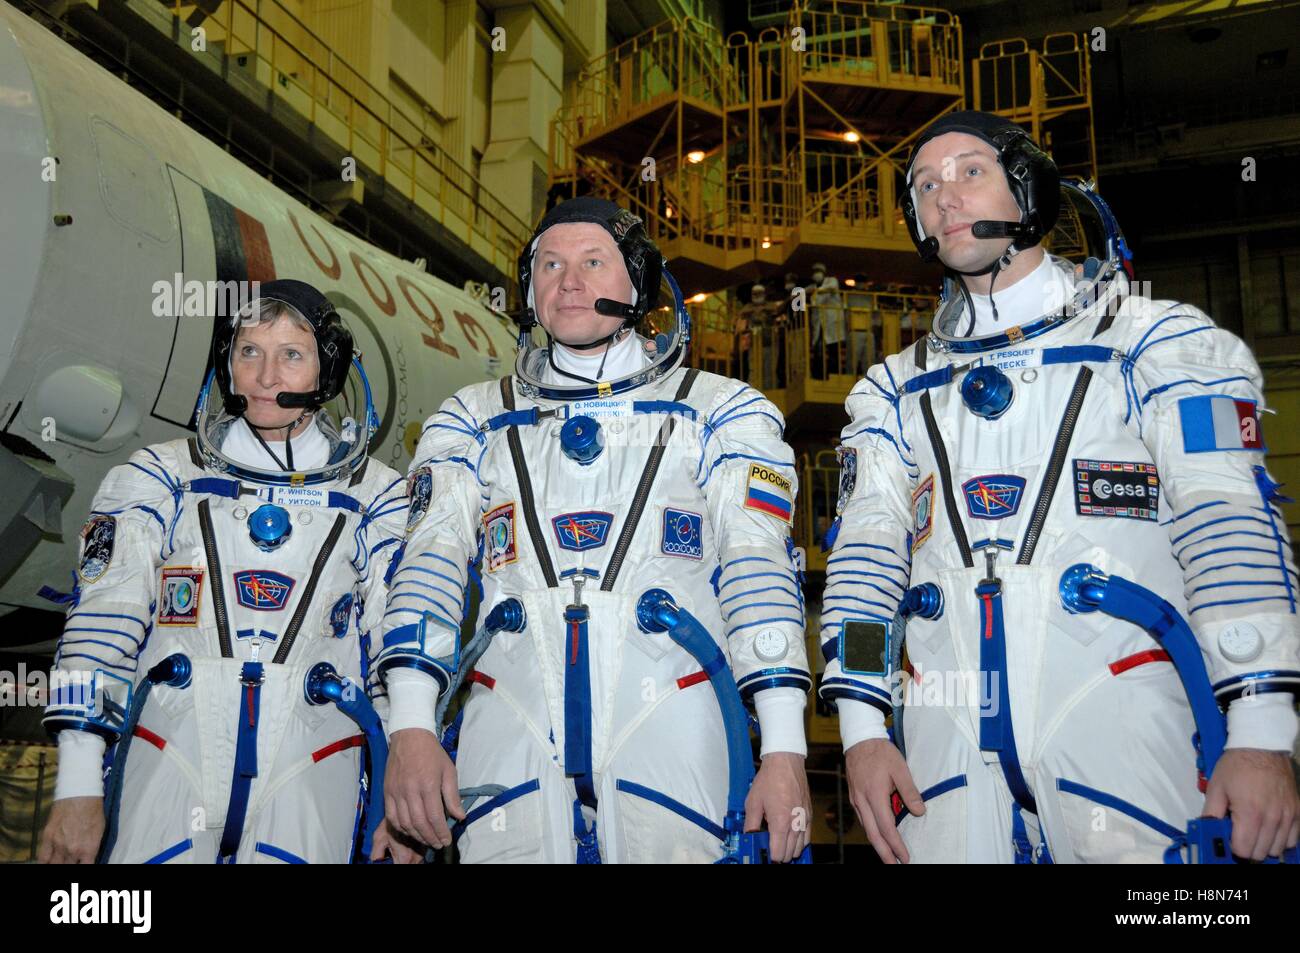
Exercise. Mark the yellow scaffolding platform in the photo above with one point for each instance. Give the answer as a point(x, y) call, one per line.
point(1048, 91)
point(750, 156)
point(761, 154)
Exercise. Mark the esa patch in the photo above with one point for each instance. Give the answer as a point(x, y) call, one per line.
point(683, 534)
point(340, 614)
point(993, 497)
point(770, 493)
point(1109, 488)
point(848, 476)
point(1216, 422)
point(419, 490)
point(262, 589)
point(178, 595)
point(923, 512)
point(499, 537)
point(579, 531)
point(98, 537)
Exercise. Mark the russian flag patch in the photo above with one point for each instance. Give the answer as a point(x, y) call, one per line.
point(770, 493)
point(1216, 422)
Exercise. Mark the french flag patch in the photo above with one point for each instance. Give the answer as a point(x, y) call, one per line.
point(1215, 422)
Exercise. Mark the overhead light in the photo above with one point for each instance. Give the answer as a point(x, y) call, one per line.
point(695, 155)
point(851, 136)
point(849, 282)
point(696, 299)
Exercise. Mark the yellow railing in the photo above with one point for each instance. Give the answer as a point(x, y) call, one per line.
point(306, 73)
point(875, 42)
point(677, 58)
point(1039, 88)
point(843, 190)
point(814, 511)
point(763, 203)
point(779, 352)
point(1010, 77)
point(770, 175)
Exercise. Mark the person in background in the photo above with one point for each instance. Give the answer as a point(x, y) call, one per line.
point(826, 306)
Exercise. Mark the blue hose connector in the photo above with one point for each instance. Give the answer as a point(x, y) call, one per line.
point(507, 616)
point(925, 600)
point(655, 611)
point(175, 670)
point(1082, 588)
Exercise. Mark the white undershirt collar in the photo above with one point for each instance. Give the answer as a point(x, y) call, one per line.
point(1043, 290)
point(311, 448)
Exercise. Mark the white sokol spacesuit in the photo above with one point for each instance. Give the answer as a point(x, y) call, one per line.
point(585, 737)
point(1131, 442)
point(205, 549)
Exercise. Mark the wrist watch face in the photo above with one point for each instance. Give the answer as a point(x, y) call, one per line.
point(771, 645)
point(1241, 642)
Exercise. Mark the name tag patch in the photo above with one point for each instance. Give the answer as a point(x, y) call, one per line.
point(601, 408)
point(683, 534)
point(178, 595)
point(1112, 488)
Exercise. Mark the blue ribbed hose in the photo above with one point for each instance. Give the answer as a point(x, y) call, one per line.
point(506, 616)
point(924, 600)
point(656, 612)
point(175, 670)
point(1085, 588)
point(325, 684)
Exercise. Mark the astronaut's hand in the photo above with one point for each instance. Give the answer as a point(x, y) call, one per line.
point(1258, 789)
point(876, 769)
point(73, 831)
point(780, 794)
point(389, 840)
point(420, 779)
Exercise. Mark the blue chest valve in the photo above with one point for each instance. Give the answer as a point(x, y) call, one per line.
point(581, 440)
point(987, 392)
point(269, 526)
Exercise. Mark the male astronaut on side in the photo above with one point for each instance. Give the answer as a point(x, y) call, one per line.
point(254, 550)
point(595, 741)
point(1052, 418)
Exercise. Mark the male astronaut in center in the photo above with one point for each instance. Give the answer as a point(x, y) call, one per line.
point(1130, 441)
point(626, 763)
